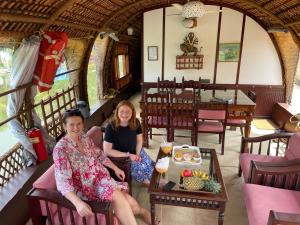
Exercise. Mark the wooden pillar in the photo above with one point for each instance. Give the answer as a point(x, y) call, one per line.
point(82, 89)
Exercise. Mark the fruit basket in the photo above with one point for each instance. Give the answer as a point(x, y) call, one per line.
point(186, 155)
point(199, 181)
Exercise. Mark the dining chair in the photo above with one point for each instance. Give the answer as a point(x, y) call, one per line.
point(215, 121)
point(182, 113)
point(156, 109)
point(241, 123)
point(166, 85)
point(191, 84)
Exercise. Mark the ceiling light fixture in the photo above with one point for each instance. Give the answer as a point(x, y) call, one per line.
point(130, 31)
point(193, 9)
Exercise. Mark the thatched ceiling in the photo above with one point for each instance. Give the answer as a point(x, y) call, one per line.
point(81, 18)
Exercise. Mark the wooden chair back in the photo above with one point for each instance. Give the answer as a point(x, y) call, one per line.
point(166, 85)
point(157, 110)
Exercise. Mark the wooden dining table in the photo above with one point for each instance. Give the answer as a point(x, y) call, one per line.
point(240, 106)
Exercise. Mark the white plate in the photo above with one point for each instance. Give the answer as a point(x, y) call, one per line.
point(186, 149)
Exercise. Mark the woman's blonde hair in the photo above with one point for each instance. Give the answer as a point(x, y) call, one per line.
point(132, 121)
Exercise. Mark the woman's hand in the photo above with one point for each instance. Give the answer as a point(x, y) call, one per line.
point(120, 174)
point(134, 157)
point(83, 209)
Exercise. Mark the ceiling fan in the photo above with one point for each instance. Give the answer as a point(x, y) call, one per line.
point(112, 35)
point(192, 10)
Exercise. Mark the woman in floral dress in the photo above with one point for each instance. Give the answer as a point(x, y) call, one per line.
point(80, 174)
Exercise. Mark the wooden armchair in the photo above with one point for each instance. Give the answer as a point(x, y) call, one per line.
point(272, 195)
point(274, 148)
point(47, 205)
point(96, 134)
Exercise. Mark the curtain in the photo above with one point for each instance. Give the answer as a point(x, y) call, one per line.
point(24, 61)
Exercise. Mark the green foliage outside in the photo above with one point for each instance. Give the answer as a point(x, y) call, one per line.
point(92, 81)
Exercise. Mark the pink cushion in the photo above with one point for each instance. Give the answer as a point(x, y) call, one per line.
point(211, 114)
point(293, 150)
point(210, 126)
point(259, 200)
point(47, 180)
point(236, 121)
point(157, 120)
point(95, 134)
point(246, 158)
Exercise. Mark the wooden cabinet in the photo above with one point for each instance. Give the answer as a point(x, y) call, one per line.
point(189, 62)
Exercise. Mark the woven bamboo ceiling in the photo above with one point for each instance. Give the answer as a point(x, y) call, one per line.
point(81, 18)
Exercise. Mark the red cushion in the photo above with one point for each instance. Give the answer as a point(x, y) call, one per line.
point(259, 200)
point(210, 126)
point(211, 114)
point(293, 150)
point(246, 158)
point(47, 180)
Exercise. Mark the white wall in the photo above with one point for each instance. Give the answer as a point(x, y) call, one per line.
point(231, 28)
point(153, 25)
point(205, 31)
point(259, 65)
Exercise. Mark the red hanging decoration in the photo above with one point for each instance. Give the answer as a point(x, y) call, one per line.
point(51, 52)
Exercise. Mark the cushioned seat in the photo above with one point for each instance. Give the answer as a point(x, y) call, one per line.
point(210, 126)
point(259, 200)
point(246, 158)
point(211, 114)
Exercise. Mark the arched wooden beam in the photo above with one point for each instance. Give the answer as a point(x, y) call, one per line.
point(32, 19)
point(65, 6)
point(119, 12)
point(247, 2)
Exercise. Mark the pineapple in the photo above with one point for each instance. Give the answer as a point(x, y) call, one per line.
point(193, 183)
point(212, 186)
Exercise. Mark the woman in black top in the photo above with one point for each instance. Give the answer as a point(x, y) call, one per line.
point(123, 137)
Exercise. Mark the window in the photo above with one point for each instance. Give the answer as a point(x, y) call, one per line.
point(121, 66)
point(7, 139)
point(92, 80)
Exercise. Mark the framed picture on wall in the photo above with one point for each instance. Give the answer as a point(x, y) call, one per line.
point(229, 52)
point(152, 53)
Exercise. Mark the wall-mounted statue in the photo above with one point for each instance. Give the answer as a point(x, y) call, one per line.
point(188, 45)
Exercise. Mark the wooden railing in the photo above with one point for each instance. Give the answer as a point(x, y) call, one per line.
point(10, 164)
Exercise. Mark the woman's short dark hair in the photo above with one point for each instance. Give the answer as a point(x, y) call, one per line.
point(70, 113)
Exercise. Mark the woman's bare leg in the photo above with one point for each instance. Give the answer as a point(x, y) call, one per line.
point(123, 209)
point(138, 210)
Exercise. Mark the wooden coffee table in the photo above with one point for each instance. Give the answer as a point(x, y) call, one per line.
point(194, 199)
